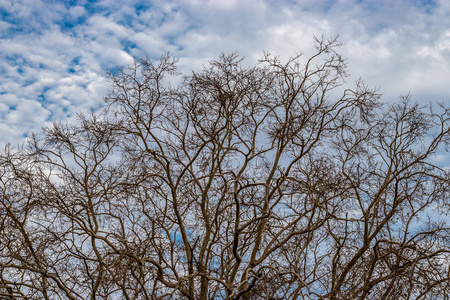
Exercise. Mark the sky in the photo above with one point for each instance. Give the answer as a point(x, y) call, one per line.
point(54, 54)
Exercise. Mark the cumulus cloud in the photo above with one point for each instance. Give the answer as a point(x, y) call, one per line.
point(77, 11)
point(54, 54)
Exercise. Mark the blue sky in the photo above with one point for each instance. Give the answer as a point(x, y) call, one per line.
point(53, 54)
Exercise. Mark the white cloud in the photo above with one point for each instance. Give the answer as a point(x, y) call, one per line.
point(77, 11)
point(4, 25)
point(55, 69)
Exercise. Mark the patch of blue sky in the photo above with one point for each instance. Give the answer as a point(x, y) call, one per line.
point(142, 6)
point(176, 237)
point(427, 6)
point(7, 16)
point(41, 97)
point(66, 111)
point(11, 107)
point(20, 70)
point(74, 64)
point(67, 25)
point(129, 46)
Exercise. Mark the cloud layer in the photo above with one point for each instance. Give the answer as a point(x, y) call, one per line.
point(54, 55)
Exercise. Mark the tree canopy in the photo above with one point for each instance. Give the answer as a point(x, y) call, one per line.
point(268, 182)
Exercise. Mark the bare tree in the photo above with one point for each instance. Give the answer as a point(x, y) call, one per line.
point(269, 182)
